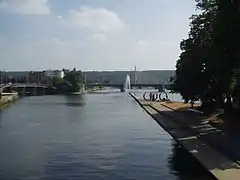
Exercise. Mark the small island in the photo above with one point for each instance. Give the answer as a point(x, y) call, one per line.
point(71, 83)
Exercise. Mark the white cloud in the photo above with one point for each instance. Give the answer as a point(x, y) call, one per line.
point(99, 37)
point(142, 43)
point(25, 6)
point(59, 17)
point(97, 19)
point(89, 54)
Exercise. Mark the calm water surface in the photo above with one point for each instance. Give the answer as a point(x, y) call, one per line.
point(95, 136)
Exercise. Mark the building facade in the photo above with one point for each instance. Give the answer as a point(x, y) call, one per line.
point(53, 73)
point(43, 77)
point(35, 77)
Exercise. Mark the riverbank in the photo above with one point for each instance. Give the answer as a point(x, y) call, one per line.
point(8, 98)
point(214, 147)
point(93, 89)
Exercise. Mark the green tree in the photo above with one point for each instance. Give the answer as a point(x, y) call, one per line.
point(75, 78)
point(192, 75)
point(208, 65)
point(61, 85)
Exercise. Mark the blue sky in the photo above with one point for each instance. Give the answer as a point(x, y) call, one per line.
point(92, 34)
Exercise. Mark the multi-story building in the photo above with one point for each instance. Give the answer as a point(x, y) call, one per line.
point(44, 77)
point(50, 74)
point(13, 76)
point(59, 74)
point(30, 76)
point(35, 77)
point(53, 73)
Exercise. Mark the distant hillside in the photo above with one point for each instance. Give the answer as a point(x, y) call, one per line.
point(118, 77)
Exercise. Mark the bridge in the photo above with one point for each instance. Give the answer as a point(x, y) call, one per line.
point(121, 86)
point(40, 89)
point(3, 86)
point(25, 88)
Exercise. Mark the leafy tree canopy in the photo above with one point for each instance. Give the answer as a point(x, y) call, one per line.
point(75, 78)
point(71, 82)
point(208, 67)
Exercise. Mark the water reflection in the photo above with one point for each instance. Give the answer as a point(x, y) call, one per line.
point(75, 100)
point(185, 166)
point(94, 136)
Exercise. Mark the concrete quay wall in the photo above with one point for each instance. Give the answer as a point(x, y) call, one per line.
point(7, 98)
point(218, 165)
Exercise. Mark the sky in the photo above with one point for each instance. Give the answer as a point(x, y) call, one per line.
point(92, 34)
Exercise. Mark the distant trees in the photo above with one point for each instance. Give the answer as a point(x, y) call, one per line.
point(71, 82)
point(75, 78)
point(208, 68)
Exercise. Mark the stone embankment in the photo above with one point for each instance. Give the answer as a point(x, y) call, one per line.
point(7, 98)
point(215, 147)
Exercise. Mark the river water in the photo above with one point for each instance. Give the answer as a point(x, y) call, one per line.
point(95, 136)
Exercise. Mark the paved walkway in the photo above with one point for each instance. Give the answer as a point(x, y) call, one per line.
point(217, 136)
point(214, 147)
